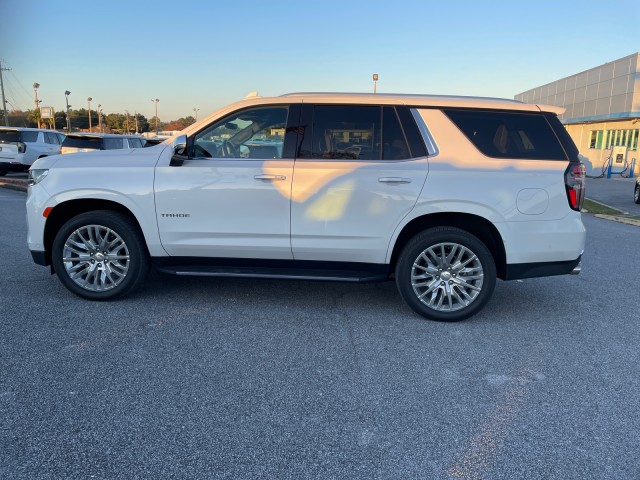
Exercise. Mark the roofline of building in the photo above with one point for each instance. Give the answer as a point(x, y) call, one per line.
point(579, 73)
point(603, 118)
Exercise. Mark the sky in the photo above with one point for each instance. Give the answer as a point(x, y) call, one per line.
point(206, 54)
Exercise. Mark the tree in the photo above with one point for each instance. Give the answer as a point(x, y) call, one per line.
point(181, 123)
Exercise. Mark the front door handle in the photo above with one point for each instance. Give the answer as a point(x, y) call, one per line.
point(394, 180)
point(270, 177)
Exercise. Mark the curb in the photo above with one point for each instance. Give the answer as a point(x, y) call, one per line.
point(615, 218)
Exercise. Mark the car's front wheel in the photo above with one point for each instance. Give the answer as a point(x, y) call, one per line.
point(446, 274)
point(100, 255)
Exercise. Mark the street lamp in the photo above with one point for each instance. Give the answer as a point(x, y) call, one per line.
point(36, 85)
point(156, 102)
point(127, 112)
point(66, 99)
point(196, 110)
point(375, 81)
point(100, 117)
point(89, 101)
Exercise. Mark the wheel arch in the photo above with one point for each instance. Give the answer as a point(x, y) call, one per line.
point(69, 209)
point(474, 224)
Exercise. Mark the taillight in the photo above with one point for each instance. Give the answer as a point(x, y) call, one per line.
point(574, 182)
point(22, 147)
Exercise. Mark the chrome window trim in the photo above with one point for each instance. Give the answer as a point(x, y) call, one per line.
point(432, 146)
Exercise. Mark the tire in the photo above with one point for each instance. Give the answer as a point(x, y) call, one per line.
point(636, 194)
point(446, 274)
point(111, 273)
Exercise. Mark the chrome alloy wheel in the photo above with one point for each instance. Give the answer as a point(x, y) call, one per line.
point(447, 277)
point(96, 258)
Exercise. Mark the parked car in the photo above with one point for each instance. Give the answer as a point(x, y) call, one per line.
point(636, 191)
point(20, 147)
point(152, 142)
point(88, 142)
point(442, 194)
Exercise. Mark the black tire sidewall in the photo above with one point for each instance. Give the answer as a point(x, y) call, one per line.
point(433, 236)
point(126, 229)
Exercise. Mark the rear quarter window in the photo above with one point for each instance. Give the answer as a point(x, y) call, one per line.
point(519, 135)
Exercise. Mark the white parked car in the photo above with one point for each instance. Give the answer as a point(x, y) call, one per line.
point(20, 147)
point(89, 142)
point(442, 194)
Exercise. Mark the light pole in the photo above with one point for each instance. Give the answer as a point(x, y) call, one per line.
point(36, 85)
point(100, 117)
point(89, 101)
point(127, 112)
point(196, 110)
point(66, 99)
point(156, 102)
point(375, 81)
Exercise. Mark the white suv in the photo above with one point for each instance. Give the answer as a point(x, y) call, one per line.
point(444, 194)
point(20, 147)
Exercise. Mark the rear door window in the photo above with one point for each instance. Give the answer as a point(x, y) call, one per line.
point(29, 136)
point(355, 132)
point(94, 143)
point(113, 143)
point(519, 135)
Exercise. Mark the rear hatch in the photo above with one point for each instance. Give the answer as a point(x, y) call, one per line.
point(81, 143)
point(10, 144)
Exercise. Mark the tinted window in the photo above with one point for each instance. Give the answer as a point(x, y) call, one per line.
point(254, 133)
point(135, 143)
point(9, 136)
point(29, 136)
point(113, 143)
point(51, 138)
point(83, 142)
point(509, 134)
point(348, 132)
point(394, 145)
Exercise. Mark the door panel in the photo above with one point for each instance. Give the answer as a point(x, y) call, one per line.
point(225, 208)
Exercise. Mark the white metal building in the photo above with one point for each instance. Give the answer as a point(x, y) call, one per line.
point(603, 111)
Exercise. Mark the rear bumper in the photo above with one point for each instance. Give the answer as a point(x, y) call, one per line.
point(516, 271)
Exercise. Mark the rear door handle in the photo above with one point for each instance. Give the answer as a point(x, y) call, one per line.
point(394, 180)
point(270, 177)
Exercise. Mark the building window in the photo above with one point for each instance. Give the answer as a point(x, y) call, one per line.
point(614, 138)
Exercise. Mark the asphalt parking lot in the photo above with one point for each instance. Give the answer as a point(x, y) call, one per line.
point(213, 378)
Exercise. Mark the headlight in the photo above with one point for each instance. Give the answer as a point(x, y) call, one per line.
point(36, 176)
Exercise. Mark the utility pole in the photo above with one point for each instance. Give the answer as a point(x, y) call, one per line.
point(136, 117)
point(4, 102)
point(36, 85)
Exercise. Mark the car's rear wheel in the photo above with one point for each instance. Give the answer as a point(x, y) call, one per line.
point(636, 194)
point(100, 255)
point(446, 274)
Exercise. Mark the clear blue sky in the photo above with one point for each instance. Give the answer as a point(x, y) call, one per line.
point(204, 54)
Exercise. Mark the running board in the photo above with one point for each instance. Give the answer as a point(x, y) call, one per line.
point(356, 276)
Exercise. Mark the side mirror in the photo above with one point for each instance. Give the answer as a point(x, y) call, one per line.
point(179, 151)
